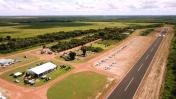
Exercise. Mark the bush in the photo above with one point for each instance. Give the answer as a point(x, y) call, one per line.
point(146, 32)
point(95, 49)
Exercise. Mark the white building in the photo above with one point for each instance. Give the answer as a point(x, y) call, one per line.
point(2, 96)
point(6, 62)
point(42, 69)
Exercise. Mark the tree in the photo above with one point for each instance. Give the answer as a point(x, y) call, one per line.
point(84, 50)
point(8, 37)
point(72, 55)
point(44, 46)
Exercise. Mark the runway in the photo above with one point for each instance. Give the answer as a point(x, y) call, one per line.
point(128, 86)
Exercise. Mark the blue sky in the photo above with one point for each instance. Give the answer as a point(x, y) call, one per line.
point(88, 7)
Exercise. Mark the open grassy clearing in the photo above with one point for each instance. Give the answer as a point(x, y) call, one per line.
point(84, 85)
point(54, 74)
point(18, 31)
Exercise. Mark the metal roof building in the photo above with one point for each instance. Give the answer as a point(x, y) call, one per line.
point(42, 69)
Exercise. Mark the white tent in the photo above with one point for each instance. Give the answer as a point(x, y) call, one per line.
point(6, 61)
point(3, 97)
point(17, 74)
point(42, 69)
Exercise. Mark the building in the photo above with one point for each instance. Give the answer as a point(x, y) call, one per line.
point(6, 62)
point(43, 69)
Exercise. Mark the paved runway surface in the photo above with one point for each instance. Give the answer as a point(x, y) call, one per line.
point(128, 86)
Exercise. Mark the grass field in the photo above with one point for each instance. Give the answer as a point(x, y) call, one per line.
point(84, 85)
point(22, 30)
point(39, 82)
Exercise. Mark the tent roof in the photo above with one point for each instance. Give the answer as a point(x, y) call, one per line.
point(17, 74)
point(43, 68)
point(6, 61)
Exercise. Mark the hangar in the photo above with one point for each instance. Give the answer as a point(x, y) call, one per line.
point(41, 70)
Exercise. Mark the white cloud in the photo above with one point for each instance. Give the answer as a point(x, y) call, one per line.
point(86, 7)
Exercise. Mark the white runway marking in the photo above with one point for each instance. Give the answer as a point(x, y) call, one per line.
point(129, 84)
point(140, 67)
point(152, 49)
point(147, 57)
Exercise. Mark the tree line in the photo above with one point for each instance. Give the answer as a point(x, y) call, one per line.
point(133, 26)
point(14, 44)
point(106, 34)
point(170, 79)
point(146, 32)
point(61, 46)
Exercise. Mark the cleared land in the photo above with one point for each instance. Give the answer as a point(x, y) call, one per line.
point(84, 85)
point(76, 84)
point(29, 30)
point(41, 92)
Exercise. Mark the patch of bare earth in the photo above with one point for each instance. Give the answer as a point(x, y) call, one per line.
point(152, 82)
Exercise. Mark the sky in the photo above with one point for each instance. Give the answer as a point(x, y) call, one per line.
point(87, 7)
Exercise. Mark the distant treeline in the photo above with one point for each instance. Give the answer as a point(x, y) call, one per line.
point(15, 44)
point(149, 19)
point(145, 26)
point(170, 80)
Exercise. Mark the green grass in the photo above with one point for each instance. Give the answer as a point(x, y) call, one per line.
point(84, 85)
point(102, 44)
point(23, 31)
point(39, 82)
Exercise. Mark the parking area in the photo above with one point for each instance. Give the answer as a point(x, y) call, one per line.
point(120, 60)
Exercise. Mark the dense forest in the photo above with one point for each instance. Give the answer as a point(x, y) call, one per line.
point(170, 82)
